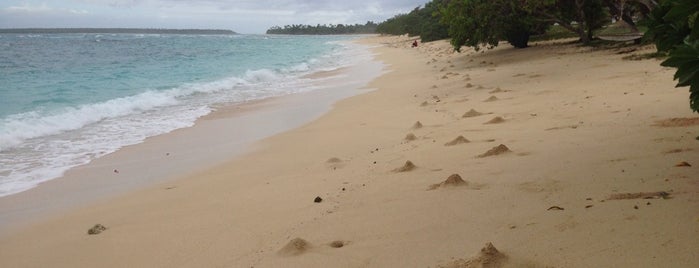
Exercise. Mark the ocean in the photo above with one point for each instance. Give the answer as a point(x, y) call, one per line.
point(67, 99)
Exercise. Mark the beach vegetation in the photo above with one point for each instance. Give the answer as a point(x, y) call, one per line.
point(478, 23)
point(424, 22)
point(673, 28)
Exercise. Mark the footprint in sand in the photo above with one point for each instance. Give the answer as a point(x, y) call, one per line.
point(295, 247)
point(497, 150)
point(408, 166)
point(457, 140)
point(495, 120)
point(334, 163)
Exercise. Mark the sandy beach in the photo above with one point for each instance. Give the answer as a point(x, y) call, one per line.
point(566, 156)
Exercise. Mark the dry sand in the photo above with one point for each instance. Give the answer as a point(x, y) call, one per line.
point(585, 127)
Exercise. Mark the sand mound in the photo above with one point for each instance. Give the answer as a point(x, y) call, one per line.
point(452, 180)
point(495, 120)
point(334, 160)
point(497, 150)
point(488, 257)
point(424, 103)
point(337, 244)
point(417, 125)
point(410, 137)
point(677, 122)
point(408, 166)
point(497, 90)
point(295, 247)
point(457, 140)
point(491, 99)
point(472, 113)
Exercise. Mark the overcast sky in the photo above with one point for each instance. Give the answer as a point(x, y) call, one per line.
point(245, 16)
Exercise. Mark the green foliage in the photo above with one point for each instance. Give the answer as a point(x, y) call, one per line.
point(424, 22)
point(581, 17)
point(296, 29)
point(395, 25)
point(673, 28)
point(478, 23)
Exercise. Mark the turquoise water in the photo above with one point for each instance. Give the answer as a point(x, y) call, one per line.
point(66, 99)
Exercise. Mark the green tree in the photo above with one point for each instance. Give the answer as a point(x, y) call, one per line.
point(579, 16)
point(424, 22)
point(673, 28)
point(431, 27)
point(476, 23)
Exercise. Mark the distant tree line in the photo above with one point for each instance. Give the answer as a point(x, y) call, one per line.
point(297, 29)
point(113, 30)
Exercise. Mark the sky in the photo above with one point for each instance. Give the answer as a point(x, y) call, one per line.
point(242, 16)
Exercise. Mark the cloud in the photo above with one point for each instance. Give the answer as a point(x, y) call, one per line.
point(246, 16)
point(43, 8)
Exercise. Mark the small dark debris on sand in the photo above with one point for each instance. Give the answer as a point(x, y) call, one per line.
point(497, 150)
point(641, 195)
point(683, 164)
point(97, 229)
point(674, 151)
point(295, 247)
point(555, 208)
point(408, 166)
point(318, 199)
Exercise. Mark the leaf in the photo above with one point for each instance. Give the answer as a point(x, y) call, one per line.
point(687, 74)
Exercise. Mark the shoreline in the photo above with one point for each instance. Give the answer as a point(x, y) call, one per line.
point(581, 126)
point(167, 157)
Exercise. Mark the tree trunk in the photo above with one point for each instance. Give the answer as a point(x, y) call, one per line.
point(585, 36)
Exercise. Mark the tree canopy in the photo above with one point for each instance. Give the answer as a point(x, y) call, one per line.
point(673, 27)
point(424, 22)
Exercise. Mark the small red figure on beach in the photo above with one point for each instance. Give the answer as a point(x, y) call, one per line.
point(415, 43)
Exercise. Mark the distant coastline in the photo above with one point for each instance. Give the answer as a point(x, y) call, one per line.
point(113, 31)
